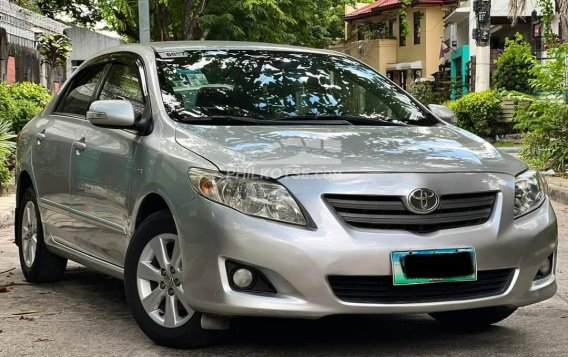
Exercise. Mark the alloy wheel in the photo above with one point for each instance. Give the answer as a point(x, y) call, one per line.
point(159, 282)
point(29, 233)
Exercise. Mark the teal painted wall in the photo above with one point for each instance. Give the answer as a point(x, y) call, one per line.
point(459, 57)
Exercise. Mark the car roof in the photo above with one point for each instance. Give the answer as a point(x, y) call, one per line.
point(230, 45)
point(176, 46)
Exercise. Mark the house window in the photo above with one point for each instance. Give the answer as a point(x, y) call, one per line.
point(417, 17)
point(401, 38)
point(390, 28)
point(11, 69)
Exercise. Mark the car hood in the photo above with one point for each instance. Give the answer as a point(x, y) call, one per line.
point(277, 151)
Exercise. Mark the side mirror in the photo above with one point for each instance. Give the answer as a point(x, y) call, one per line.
point(443, 112)
point(112, 114)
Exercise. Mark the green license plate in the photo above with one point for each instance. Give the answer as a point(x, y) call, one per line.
point(434, 266)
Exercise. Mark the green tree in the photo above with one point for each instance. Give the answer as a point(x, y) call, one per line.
point(306, 22)
point(552, 75)
point(514, 65)
point(55, 49)
point(83, 12)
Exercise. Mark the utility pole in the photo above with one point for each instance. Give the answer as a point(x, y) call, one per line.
point(482, 35)
point(144, 21)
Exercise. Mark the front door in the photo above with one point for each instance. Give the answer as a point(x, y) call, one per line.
point(51, 152)
point(101, 172)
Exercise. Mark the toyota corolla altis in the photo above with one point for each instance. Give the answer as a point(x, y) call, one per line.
point(236, 179)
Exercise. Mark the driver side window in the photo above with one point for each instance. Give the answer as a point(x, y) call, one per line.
point(123, 82)
point(78, 97)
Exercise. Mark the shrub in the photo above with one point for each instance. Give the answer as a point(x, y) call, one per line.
point(429, 92)
point(6, 149)
point(478, 112)
point(514, 65)
point(20, 102)
point(545, 140)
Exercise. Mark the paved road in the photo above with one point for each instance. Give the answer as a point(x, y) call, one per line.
point(87, 315)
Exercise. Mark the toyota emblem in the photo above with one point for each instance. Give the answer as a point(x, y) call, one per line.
point(423, 200)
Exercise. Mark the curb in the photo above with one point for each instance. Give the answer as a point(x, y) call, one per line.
point(558, 194)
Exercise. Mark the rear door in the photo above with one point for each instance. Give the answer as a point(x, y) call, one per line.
point(52, 150)
point(102, 168)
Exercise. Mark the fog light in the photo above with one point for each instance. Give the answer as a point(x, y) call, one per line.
point(242, 278)
point(546, 267)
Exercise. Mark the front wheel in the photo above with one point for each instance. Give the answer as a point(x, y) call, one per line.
point(475, 318)
point(154, 287)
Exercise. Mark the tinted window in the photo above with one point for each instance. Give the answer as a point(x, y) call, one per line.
point(279, 85)
point(78, 98)
point(123, 82)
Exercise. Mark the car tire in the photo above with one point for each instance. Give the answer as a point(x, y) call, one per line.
point(475, 318)
point(38, 264)
point(140, 286)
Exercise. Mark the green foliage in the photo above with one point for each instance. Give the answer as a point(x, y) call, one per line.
point(306, 22)
point(514, 65)
point(55, 47)
point(20, 102)
point(478, 112)
point(7, 146)
point(547, 12)
point(405, 24)
point(83, 12)
point(545, 140)
point(552, 75)
point(426, 93)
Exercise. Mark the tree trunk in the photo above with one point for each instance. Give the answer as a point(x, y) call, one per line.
point(187, 17)
point(191, 14)
point(563, 15)
point(164, 18)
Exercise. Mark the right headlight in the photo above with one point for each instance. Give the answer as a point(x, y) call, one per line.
point(252, 196)
point(530, 192)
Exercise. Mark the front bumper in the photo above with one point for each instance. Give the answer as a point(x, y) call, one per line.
point(297, 261)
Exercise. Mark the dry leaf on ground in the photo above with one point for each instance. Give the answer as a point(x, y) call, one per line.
point(44, 340)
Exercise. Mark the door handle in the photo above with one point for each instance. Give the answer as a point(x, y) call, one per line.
point(40, 136)
point(79, 145)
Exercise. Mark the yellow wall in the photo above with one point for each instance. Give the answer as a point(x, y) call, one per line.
point(378, 53)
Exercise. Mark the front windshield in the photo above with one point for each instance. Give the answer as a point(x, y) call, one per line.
point(279, 85)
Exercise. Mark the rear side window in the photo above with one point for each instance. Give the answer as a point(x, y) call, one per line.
point(78, 97)
point(123, 82)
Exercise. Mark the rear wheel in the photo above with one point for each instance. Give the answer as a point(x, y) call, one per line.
point(154, 287)
point(474, 318)
point(38, 264)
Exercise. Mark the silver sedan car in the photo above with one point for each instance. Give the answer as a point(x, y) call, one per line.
point(239, 179)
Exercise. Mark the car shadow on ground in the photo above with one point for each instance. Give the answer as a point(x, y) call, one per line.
point(343, 335)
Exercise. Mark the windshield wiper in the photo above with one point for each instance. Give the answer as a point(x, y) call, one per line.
point(351, 119)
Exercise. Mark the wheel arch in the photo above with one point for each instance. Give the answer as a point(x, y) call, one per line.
point(151, 203)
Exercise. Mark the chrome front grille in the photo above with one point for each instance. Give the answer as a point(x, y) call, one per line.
point(389, 212)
